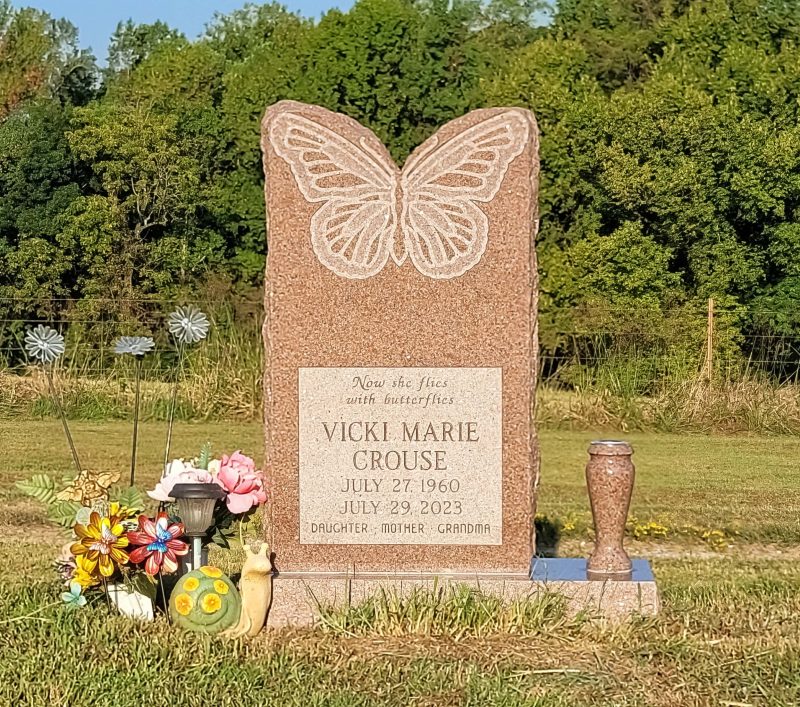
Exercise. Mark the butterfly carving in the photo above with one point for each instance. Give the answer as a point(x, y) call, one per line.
point(370, 211)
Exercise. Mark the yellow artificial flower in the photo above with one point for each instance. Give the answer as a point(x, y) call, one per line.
point(101, 543)
point(184, 604)
point(83, 573)
point(211, 603)
point(220, 586)
point(122, 512)
point(191, 583)
point(210, 571)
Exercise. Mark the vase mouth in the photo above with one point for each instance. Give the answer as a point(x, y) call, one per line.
point(610, 447)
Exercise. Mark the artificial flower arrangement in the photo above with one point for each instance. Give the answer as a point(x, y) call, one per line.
point(116, 549)
point(235, 474)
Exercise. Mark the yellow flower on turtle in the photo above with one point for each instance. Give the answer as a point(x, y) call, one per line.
point(210, 571)
point(101, 543)
point(211, 603)
point(220, 586)
point(184, 604)
point(191, 583)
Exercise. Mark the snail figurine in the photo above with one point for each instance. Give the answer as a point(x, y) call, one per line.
point(206, 600)
point(255, 588)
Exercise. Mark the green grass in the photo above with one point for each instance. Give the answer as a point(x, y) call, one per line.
point(728, 633)
point(741, 484)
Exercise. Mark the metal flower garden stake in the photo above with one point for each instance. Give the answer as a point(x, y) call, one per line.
point(136, 346)
point(45, 345)
point(188, 325)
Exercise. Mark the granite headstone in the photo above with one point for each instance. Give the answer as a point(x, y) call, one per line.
point(401, 345)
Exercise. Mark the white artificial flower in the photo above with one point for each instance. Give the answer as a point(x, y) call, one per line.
point(178, 471)
point(44, 343)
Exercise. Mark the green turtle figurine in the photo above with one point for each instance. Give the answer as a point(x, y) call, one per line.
point(205, 600)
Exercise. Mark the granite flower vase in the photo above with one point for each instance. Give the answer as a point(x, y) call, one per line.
point(609, 478)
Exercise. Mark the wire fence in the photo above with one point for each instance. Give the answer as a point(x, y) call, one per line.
point(624, 351)
point(91, 327)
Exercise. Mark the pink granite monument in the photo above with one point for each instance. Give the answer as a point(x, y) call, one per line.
point(401, 353)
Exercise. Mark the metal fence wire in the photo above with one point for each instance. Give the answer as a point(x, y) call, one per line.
point(608, 349)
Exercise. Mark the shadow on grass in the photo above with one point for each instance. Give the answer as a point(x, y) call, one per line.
point(548, 535)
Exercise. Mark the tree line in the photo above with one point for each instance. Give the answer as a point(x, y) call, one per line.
point(670, 147)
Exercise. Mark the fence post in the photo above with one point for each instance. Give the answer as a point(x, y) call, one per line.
point(708, 366)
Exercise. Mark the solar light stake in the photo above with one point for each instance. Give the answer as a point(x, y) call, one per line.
point(196, 504)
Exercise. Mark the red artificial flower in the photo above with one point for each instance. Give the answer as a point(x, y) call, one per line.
point(160, 546)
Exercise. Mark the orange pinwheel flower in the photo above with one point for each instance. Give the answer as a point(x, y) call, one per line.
point(101, 543)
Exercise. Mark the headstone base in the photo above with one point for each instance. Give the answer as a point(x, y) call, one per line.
point(296, 596)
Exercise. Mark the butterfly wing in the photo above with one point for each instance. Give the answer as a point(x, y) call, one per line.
point(352, 233)
point(444, 231)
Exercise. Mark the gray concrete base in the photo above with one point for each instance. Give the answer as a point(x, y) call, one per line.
point(296, 596)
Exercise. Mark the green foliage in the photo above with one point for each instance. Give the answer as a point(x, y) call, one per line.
point(222, 530)
point(146, 184)
point(205, 456)
point(39, 57)
point(131, 44)
point(39, 486)
point(63, 513)
point(670, 147)
point(399, 70)
point(130, 497)
point(623, 268)
point(38, 183)
point(44, 489)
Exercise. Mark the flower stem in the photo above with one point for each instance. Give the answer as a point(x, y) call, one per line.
point(62, 414)
point(163, 593)
point(241, 533)
point(32, 616)
point(136, 419)
point(105, 590)
point(172, 404)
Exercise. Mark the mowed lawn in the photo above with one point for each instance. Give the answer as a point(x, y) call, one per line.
point(728, 634)
point(744, 484)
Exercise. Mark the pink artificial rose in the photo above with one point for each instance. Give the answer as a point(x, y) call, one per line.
point(178, 472)
point(244, 484)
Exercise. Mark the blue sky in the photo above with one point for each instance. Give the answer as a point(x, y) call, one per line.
point(96, 19)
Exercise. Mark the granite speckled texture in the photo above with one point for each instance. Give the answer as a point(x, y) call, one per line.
point(398, 316)
point(609, 477)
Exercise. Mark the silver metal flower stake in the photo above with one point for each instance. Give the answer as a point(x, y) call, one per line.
point(45, 345)
point(136, 346)
point(188, 325)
